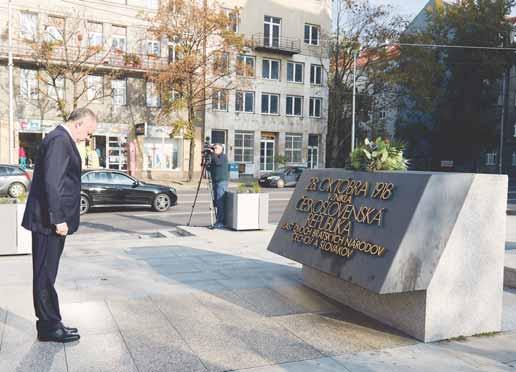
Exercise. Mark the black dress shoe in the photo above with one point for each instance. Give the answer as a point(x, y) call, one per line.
point(70, 329)
point(58, 335)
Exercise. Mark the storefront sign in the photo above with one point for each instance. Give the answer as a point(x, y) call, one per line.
point(45, 126)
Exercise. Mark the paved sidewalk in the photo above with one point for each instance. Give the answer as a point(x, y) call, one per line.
point(215, 301)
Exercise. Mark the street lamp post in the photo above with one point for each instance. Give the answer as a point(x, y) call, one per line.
point(11, 85)
point(355, 56)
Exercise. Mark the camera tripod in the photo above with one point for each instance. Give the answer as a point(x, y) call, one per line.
point(204, 174)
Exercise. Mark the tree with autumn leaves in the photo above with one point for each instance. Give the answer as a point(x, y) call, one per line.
point(202, 41)
point(66, 57)
point(362, 29)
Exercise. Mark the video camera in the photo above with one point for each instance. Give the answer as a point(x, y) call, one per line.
point(207, 150)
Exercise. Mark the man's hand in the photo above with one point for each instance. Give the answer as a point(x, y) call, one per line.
point(62, 229)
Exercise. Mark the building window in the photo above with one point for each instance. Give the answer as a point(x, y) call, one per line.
point(119, 91)
point(161, 153)
point(514, 134)
point(293, 147)
point(244, 101)
point(153, 48)
point(119, 38)
point(219, 101)
point(316, 74)
point(271, 31)
point(244, 147)
point(312, 34)
point(54, 30)
point(95, 87)
point(270, 69)
point(153, 4)
point(313, 151)
point(314, 110)
point(56, 90)
point(491, 158)
point(28, 25)
point(295, 72)
point(28, 84)
point(174, 53)
point(382, 115)
point(219, 136)
point(245, 66)
point(152, 94)
point(234, 19)
point(270, 103)
point(295, 105)
point(95, 34)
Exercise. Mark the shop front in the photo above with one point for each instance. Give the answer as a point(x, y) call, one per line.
point(106, 149)
point(161, 152)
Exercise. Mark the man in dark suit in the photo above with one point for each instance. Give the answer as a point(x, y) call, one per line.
point(52, 213)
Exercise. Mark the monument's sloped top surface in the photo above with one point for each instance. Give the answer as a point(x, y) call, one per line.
point(384, 231)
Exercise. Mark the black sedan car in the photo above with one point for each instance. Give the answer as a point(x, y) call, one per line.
point(107, 188)
point(287, 176)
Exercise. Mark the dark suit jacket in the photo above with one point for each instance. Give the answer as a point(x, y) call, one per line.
point(55, 193)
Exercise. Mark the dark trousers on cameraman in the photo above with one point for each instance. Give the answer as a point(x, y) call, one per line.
point(219, 194)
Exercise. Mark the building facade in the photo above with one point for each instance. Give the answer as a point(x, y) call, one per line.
point(280, 116)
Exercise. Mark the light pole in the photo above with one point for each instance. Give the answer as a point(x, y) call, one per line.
point(355, 56)
point(11, 85)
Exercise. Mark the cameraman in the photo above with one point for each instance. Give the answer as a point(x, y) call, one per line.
point(219, 176)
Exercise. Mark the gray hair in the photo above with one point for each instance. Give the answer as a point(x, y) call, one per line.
point(81, 113)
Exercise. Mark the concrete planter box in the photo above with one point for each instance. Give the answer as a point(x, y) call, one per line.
point(15, 239)
point(247, 211)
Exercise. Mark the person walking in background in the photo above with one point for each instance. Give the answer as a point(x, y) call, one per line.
point(219, 175)
point(52, 213)
point(22, 155)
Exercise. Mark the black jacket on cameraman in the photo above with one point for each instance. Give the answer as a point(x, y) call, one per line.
point(219, 168)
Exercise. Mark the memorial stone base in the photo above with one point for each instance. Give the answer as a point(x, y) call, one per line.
point(465, 294)
point(443, 276)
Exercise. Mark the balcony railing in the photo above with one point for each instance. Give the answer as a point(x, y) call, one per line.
point(282, 45)
point(102, 59)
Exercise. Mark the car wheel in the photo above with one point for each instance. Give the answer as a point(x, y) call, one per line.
point(162, 203)
point(16, 190)
point(85, 205)
point(280, 184)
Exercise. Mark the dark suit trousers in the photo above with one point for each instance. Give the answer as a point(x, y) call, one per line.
point(46, 253)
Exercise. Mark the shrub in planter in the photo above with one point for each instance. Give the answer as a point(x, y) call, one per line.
point(247, 208)
point(253, 188)
point(378, 155)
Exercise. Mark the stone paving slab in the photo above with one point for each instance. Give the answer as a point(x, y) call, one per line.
point(94, 353)
point(420, 358)
point(269, 302)
point(34, 356)
point(137, 315)
point(92, 318)
point(3, 318)
point(161, 350)
point(509, 309)
point(499, 348)
point(313, 365)
point(344, 332)
point(232, 345)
